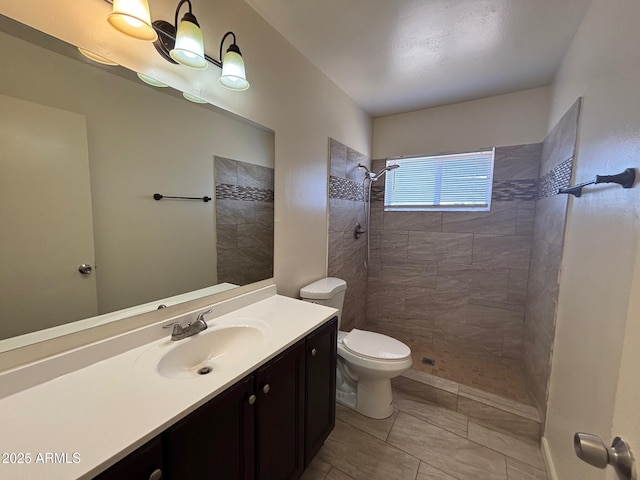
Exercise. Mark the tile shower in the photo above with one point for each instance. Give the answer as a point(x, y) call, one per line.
point(244, 221)
point(473, 291)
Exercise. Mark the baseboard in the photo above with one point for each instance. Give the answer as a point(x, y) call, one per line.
point(546, 455)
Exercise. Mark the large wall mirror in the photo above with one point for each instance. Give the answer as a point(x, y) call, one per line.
point(83, 149)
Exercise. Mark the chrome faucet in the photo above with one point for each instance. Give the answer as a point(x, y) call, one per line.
point(179, 332)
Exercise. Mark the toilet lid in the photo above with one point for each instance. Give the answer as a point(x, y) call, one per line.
point(375, 345)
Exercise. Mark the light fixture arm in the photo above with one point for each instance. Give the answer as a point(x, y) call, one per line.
point(182, 2)
point(224, 37)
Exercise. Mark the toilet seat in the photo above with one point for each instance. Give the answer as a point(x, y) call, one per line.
point(375, 345)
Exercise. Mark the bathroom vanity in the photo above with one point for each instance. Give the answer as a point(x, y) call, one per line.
point(251, 397)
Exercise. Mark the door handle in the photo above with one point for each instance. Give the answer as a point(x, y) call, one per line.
point(85, 268)
point(591, 449)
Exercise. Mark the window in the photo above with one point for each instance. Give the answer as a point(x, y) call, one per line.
point(457, 182)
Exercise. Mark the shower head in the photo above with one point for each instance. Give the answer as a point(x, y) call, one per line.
point(376, 176)
point(365, 169)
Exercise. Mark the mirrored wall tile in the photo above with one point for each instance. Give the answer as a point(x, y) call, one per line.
point(226, 170)
point(338, 158)
point(377, 428)
point(517, 470)
point(418, 221)
point(234, 212)
point(526, 452)
point(508, 251)
point(455, 455)
point(255, 176)
point(364, 457)
point(517, 162)
point(501, 220)
point(441, 247)
point(226, 237)
point(427, 472)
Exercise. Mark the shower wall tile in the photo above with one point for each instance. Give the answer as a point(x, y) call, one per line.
point(442, 247)
point(517, 162)
point(353, 159)
point(560, 144)
point(558, 152)
point(414, 221)
point(337, 159)
point(509, 251)
point(346, 208)
point(525, 218)
point(501, 220)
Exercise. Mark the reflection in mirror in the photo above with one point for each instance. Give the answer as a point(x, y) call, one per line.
point(83, 149)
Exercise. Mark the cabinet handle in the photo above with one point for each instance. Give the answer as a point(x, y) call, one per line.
point(156, 474)
point(314, 352)
point(266, 388)
point(252, 399)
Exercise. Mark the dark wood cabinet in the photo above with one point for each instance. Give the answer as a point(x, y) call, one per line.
point(146, 463)
point(280, 416)
point(216, 441)
point(268, 426)
point(320, 387)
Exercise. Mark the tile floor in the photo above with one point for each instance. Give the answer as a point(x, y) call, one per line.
point(472, 367)
point(407, 446)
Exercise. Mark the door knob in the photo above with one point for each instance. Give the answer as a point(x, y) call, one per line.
point(85, 269)
point(266, 388)
point(591, 449)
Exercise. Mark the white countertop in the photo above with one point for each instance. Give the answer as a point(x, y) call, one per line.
point(106, 410)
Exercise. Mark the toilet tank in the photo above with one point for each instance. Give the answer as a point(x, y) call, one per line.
point(327, 291)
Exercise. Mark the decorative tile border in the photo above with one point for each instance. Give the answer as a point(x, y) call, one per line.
point(247, 194)
point(556, 178)
point(514, 190)
point(345, 189)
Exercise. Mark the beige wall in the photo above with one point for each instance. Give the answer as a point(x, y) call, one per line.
point(512, 119)
point(288, 95)
point(601, 241)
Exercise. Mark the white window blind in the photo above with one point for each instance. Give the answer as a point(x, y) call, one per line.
point(443, 182)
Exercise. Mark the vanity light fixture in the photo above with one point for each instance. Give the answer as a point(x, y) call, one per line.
point(181, 43)
point(97, 58)
point(132, 18)
point(193, 98)
point(151, 81)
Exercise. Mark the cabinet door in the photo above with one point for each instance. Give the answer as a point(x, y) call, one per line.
point(143, 464)
point(216, 441)
point(280, 416)
point(320, 387)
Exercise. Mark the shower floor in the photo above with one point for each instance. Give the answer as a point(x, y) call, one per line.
point(471, 367)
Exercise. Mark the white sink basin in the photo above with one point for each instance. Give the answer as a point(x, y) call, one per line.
point(210, 351)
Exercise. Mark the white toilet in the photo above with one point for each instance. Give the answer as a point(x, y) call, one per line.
point(367, 361)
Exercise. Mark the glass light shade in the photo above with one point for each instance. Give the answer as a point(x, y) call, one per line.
point(132, 18)
point(193, 98)
point(233, 76)
point(151, 81)
point(96, 57)
point(189, 47)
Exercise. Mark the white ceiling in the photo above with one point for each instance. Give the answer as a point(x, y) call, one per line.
point(394, 56)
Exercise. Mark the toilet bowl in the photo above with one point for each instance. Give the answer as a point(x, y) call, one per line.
point(367, 361)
